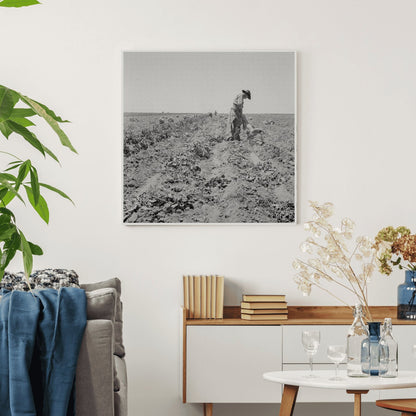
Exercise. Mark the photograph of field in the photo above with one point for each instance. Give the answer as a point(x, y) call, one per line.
point(189, 167)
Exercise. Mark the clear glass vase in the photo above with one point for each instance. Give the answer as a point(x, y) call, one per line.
point(388, 351)
point(357, 335)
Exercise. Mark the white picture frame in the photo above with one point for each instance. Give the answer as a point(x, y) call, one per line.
point(183, 162)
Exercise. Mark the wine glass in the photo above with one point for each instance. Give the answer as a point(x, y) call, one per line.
point(337, 354)
point(310, 342)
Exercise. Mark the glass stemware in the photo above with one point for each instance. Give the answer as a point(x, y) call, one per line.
point(310, 342)
point(337, 354)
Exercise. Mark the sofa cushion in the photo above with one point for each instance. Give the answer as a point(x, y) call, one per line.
point(95, 370)
point(118, 319)
point(101, 304)
point(40, 279)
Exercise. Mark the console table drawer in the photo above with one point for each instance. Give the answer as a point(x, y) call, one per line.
point(293, 351)
point(225, 364)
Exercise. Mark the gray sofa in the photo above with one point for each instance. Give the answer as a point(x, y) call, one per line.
point(101, 379)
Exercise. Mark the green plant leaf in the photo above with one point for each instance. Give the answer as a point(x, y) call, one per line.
point(25, 122)
point(51, 113)
point(14, 166)
point(36, 250)
point(6, 231)
point(50, 153)
point(23, 171)
point(18, 3)
point(3, 192)
point(6, 131)
point(7, 102)
point(7, 212)
point(41, 207)
point(9, 250)
point(7, 199)
point(6, 258)
point(11, 193)
point(13, 242)
point(8, 177)
point(22, 112)
point(58, 191)
point(5, 219)
point(51, 118)
point(34, 183)
point(27, 135)
point(27, 255)
point(15, 163)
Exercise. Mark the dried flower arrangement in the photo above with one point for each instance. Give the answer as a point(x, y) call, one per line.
point(394, 245)
point(335, 258)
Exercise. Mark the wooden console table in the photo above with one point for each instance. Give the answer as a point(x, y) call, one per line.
point(224, 359)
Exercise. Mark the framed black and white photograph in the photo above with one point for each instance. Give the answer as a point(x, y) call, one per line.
point(209, 137)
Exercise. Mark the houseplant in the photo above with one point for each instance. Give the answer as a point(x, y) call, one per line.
point(16, 112)
point(396, 247)
point(22, 174)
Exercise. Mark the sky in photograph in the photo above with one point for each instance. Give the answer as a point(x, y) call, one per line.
point(191, 82)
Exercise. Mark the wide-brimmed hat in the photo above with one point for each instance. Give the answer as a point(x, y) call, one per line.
point(248, 93)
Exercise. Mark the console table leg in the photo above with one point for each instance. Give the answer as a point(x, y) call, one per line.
point(357, 400)
point(288, 400)
point(208, 409)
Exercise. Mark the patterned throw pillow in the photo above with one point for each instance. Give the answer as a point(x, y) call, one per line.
point(40, 279)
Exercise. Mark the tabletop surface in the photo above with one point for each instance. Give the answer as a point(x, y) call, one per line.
point(405, 379)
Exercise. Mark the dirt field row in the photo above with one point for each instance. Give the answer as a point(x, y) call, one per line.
point(180, 168)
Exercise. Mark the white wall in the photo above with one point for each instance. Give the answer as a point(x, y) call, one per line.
point(357, 102)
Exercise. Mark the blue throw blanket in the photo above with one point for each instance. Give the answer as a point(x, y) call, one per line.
point(40, 338)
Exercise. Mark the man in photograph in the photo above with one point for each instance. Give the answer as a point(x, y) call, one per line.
point(237, 118)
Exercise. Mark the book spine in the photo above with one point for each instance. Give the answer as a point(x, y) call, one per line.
point(203, 297)
point(214, 297)
point(263, 305)
point(186, 294)
point(209, 301)
point(191, 296)
point(220, 297)
point(197, 295)
point(264, 298)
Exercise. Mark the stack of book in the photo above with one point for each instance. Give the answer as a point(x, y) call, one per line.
point(264, 307)
point(203, 297)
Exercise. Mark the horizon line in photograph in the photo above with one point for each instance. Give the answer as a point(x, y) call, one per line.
point(204, 82)
point(143, 113)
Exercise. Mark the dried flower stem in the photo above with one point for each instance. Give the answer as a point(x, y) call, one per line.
point(328, 276)
point(363, 297)
point(330, 293)
point(334, 262)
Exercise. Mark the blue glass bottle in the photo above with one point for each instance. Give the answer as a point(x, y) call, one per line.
point(406, 302)
point(370, 353)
